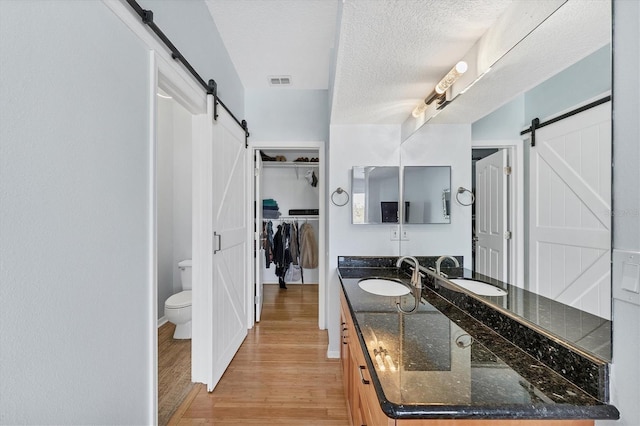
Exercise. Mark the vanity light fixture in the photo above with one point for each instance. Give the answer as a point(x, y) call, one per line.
point(451, 77)
point(441, 88)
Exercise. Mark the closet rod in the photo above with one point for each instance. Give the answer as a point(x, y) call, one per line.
point(293, 217)
point(211, 87)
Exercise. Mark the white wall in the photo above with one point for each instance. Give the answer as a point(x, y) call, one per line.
point(441, 145)
point(287, 114)
point(379, 145)
point(78, 334)
point(173, 159)
point(182, 190)
point(77, 319)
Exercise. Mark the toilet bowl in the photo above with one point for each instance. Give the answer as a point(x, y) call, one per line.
point(177, 308)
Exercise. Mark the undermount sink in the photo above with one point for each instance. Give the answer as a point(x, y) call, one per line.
point(479, 288)
point(383, 287)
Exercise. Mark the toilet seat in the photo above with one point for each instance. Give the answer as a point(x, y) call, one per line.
point(179, 300)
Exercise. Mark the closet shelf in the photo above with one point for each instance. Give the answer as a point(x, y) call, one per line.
point(286, 164)
point(297, 165)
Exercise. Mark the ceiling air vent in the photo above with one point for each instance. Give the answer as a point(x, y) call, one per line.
point(280, 80)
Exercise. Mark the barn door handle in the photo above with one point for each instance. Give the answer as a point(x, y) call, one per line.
point(219, 238)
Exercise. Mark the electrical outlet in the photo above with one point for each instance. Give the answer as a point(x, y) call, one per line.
point(395, 233)
point(404, 235)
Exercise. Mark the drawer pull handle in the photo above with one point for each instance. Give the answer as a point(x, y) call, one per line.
point(364, 381)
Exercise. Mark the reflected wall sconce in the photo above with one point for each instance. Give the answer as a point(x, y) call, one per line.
point(441, 88)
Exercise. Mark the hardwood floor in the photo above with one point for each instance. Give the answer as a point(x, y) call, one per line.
point(174, 372)
point(280, 375)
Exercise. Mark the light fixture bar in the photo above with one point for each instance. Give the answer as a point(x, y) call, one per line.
point(451, 77)
point(441, 88)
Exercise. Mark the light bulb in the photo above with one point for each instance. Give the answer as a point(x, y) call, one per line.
point(419, 110)
point(455, 73)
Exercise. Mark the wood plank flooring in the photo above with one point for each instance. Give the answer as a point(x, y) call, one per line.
point(280, 375)
point(174, 372)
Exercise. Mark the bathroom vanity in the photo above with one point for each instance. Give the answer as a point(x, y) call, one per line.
point(441, 366)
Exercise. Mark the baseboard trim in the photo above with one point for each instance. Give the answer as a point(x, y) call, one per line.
point(333, 354)
point(162, 321)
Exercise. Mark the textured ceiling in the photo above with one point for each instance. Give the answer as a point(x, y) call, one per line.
point(391, 53)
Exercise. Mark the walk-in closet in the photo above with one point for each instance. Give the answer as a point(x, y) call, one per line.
point(287, 214)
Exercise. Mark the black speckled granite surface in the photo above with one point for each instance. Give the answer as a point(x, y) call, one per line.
point(449, 365)
point(586, 331)
point(586, 371)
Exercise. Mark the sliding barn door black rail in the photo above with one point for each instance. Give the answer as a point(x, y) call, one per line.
point(210, 87)
point(536, 124)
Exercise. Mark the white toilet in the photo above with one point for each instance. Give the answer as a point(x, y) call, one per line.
point(177, 308)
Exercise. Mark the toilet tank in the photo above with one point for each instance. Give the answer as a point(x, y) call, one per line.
point(185, 273)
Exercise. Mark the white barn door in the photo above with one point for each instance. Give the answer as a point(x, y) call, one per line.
point(220, 245)
point(491, 258)
point(230, 242)
point(570, 211)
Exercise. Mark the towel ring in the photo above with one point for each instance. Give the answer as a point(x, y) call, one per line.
point(339, 191)
point(462, 190)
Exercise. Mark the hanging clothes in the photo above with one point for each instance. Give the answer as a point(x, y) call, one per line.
point(308, 247)
point(281, 252)
point(267, 242)
point(293, 243)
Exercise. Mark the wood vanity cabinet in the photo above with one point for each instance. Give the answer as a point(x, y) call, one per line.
point(362, 400)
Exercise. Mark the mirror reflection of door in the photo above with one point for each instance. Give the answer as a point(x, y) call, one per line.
point(490, 228)
point(570, 211)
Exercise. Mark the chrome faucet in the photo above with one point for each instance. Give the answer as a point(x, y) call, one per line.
point(416, 283)
point(443, 258)
point(415, 276)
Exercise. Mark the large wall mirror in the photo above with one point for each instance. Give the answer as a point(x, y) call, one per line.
point(577, 69)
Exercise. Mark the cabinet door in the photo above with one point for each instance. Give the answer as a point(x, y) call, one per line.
point(372, 414)
point(344, 347)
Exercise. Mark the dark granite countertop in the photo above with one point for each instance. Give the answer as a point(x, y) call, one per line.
point(441, 363)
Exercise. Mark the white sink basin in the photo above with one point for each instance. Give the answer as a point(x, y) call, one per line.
point(383, 287)
point(479, 288)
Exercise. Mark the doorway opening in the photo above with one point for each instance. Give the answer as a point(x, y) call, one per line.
point(288, 219)
point(173, 105)
point(496, 232)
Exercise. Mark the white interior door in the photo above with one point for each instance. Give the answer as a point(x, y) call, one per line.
point(491, 225)
point(570, 204)
point(220, 261)
point(259, 249)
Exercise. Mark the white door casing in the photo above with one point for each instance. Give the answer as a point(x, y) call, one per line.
point(570, 208)
point(322, 286)
point(491, 224)
point(259, 249)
